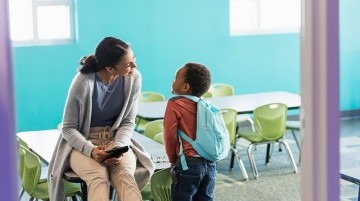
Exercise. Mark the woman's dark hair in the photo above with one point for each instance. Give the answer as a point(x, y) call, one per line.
point(108, 53)
point(198, 77)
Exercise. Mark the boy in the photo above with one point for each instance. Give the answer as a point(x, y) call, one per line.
point(198, 182)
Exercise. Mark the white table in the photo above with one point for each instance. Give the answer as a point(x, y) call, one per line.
point(245, 103)
point(43, 143)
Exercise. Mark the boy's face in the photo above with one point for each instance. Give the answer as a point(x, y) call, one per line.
point(179, 86)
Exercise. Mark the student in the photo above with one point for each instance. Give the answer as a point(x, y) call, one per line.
point(99, 114)
point(198, 182)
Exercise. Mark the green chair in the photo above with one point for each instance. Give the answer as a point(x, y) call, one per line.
point(161, 185)
point(270, 122)
point(146, 192)
point(147, 96)
point(207, 94)
point(59, 126)
point(150, 96)
point(159, 138)
point(229, 116)
point(30, 177)
point(221, 90)
point(153, 128)
point(44, 170)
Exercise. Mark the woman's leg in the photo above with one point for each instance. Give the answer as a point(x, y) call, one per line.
point(93, 173)
point(123, 180)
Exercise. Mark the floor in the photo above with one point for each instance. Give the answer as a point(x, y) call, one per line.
point(277, 181)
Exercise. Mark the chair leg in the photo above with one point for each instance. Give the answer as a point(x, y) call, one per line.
point(241, 164)
point(112, 193)
point(295, 138)
point(291, 158)
point(268, 153)
point(252, 124)
point(233, 154)
point(21, 193)
point(232, 159)
point(252, 162)
point(83, 191)
point(74, 198)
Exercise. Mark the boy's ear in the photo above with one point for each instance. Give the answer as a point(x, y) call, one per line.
point(187, 87)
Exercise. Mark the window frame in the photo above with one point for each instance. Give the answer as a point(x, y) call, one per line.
point(257, 29)
point(36, 41)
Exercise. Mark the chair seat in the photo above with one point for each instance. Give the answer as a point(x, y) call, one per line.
point(41, 191)
point(254, 137)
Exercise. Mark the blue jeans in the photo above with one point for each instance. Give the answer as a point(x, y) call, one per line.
point(196, 183)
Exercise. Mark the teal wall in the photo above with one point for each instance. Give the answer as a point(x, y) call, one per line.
point(349, 54)
point(164, 35)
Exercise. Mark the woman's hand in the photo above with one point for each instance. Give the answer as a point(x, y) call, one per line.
point(113, 161)
point(99, 154)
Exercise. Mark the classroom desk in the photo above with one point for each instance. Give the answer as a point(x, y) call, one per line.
point(351, 175)
point(244, 103)
point(43, 143)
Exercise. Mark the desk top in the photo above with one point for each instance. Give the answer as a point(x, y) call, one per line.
point(245, 103)
point(43, 143)
point(351, 175)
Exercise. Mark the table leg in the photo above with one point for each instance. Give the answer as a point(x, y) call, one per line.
point(267, 153)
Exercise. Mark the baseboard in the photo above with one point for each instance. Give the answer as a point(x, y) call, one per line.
point(347, 114)
point(350, 114)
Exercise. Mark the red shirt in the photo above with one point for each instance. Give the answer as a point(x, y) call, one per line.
point(180, 114)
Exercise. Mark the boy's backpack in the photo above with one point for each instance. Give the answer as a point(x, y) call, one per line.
point(212, 137)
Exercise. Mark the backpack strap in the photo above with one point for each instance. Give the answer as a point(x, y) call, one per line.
point(185, 137)
point(181, 151)
point(193, 98)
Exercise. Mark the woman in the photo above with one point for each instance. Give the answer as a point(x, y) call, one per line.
point(99, 114)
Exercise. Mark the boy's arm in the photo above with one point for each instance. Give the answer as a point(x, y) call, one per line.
point(170, 131)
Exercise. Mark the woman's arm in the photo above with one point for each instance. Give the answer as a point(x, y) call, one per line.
point(76, 113)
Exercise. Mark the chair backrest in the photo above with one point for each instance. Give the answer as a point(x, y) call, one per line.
point(270, 120)
point(154, 127)
point(207, 94)
point(221, 89)
point(151, 96)
point(31, 169)
point(161, 185)
point(59, 126)
point(22, 143)
point(230, 121)
point(159, 138)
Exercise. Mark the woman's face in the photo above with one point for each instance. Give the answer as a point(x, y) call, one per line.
point(127, 65)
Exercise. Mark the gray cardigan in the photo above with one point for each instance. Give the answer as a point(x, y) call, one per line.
point(76, 126)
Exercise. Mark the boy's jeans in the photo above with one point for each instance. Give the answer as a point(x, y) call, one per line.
point(196, 183)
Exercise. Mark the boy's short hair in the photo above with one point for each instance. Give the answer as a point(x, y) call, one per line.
point(198, 77)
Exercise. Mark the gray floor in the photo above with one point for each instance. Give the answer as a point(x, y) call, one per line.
point(276, 180)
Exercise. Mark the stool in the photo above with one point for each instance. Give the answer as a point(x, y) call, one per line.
point(71, 176)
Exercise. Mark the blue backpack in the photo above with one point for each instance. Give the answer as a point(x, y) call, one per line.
point(212, 137)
